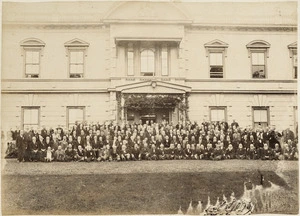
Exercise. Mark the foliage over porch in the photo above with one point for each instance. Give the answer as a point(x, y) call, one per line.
point(154, 101)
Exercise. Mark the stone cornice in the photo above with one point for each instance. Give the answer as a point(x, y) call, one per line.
point(255, 28)
point(189, 25)
point(84, 80)
point(199, 91)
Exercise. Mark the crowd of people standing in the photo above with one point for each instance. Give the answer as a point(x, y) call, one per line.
point(155, 141)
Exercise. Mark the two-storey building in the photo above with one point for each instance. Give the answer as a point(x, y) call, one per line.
point(64, 62)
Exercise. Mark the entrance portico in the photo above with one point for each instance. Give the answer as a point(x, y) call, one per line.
point(152, 100)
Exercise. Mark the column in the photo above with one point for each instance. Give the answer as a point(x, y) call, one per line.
point(122, 109)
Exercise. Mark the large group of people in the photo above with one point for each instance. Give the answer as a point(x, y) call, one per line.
point(155, 141)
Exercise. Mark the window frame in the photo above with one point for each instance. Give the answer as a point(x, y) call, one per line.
point(265, 61)
point(154, 59)
point(23, 108)
point(209, 63)
point(32, 49)
point(130, 48)
point(293, 51)
point(74, 107)
point(76, 45)
point(218, 108)
point(267, 108)
point(76, 49)
point(216, 46)
point(258, 46)
point(167, 50)
point(32, 45)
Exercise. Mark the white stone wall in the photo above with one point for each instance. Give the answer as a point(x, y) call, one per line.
point(239, 107)
point(53, 108)
point(237, 63)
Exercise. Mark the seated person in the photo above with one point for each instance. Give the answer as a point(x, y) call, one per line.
point(69, 153)
point(135, 152)
point(79, 154)
point(178, 152)
point(218, 153)
point(89, 154)
point(209, 152)
point(49, 156)
point(42, 150)
point(252, 153)
point(114, 153)
point(230, 153)
point(96, 146)
point(266, 152)
point(125, 154)
point(145, 152)
point(153, 152)
point(104, 153)
point(59, 154)
point(34, 149)
point(171, 152)
point(294, 155)
point(240, 152)
point(161, 152)
point(188, 153)
point(286, 152)
point(277, 152)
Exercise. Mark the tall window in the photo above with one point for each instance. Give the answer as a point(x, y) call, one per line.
point(76, 52)
point(258, 65)
point(75, 115)
point(76, 63)
point(130, 64)
point(293, 55)
point(32, 63)
point(216, 65)
point(258, 52)
point(216, 51)
point(217, 114)
point(30, 117)
point(32, 57)
point(260, 116)
point(164, 62)
point(147, 62)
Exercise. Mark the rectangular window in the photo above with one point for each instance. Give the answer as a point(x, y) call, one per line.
point(216, 65)
point(75, 114)
point(147, 62)
point(30, 117)
point(217, 114)
point(32, 64)
point(258, 65)
point(130, 64)
point(260, 117)
point(76, 64)
point(164, 62)
point(295, 66)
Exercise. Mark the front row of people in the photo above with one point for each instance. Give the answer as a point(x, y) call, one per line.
point(198, 152)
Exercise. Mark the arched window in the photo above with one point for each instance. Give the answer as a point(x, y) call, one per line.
point(258, 51)
point(147, 62)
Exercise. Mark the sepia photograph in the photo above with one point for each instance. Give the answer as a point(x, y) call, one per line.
point(149, 107)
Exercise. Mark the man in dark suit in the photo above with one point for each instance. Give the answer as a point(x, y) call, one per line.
point(34, 149)
point(20, 142)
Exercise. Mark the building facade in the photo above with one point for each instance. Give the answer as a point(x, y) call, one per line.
point(64, 62)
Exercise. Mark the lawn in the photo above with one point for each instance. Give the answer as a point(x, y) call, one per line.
point(155, 187)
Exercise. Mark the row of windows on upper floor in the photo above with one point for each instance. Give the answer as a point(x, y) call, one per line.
point(150, 57)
